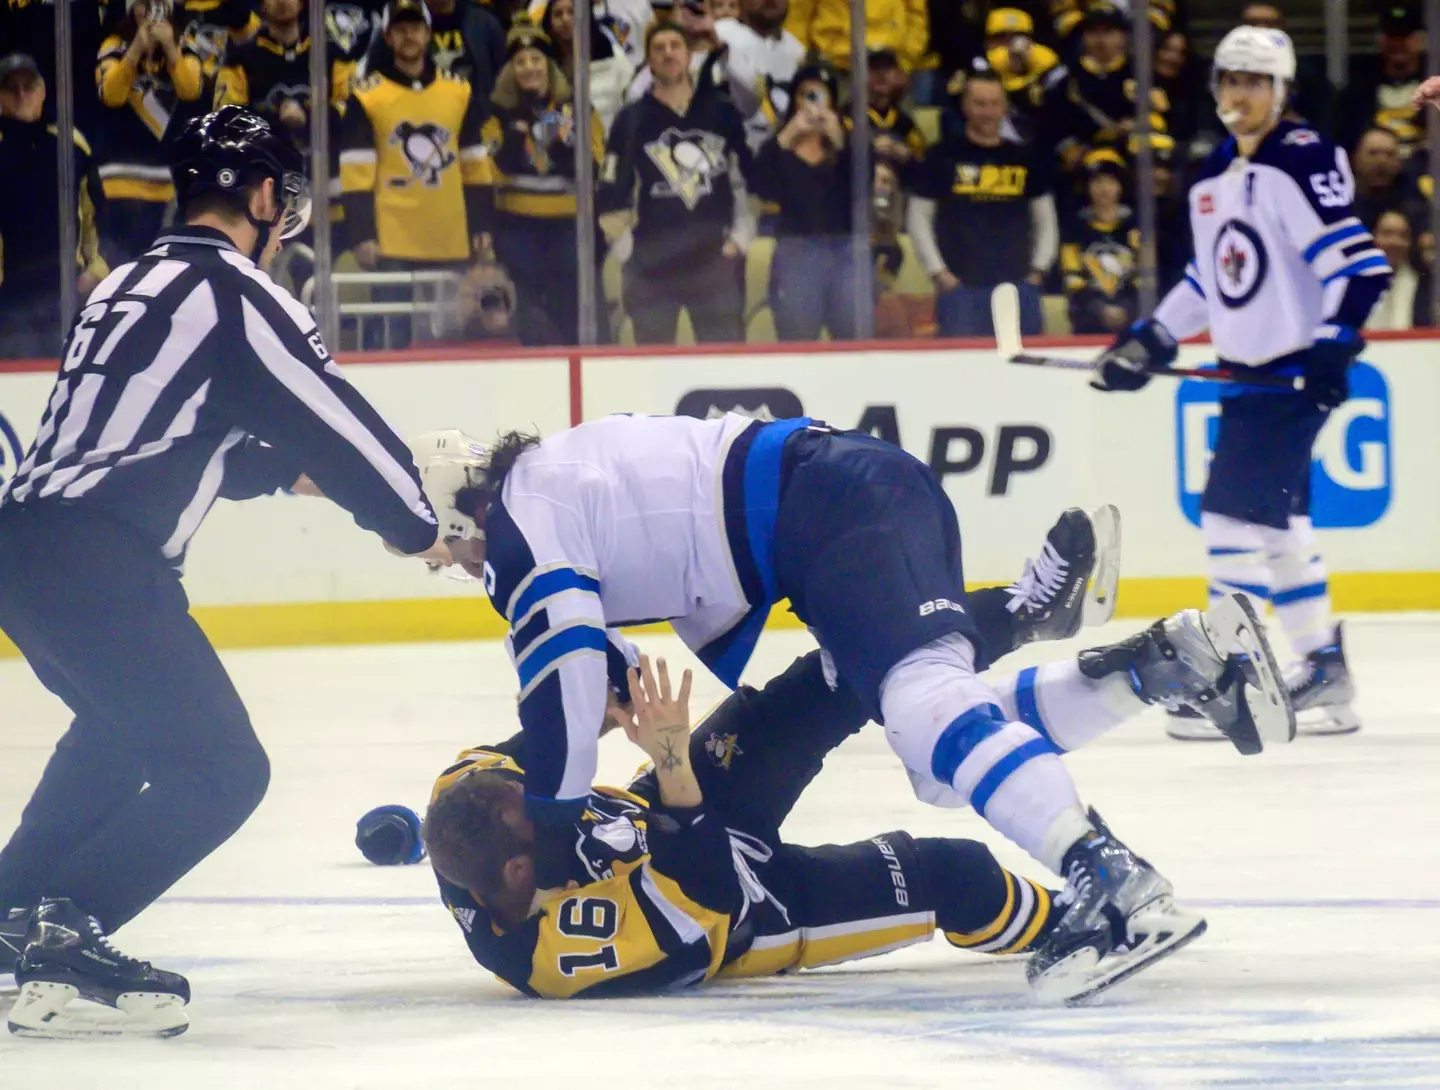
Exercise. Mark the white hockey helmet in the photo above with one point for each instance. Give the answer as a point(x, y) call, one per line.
point(1261, 51)
point(448, 461)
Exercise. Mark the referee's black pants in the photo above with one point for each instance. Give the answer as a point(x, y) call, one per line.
point(160, 765)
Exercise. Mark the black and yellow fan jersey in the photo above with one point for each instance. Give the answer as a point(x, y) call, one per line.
point(533, 147)
point(1100, 260)
point(412, 161)
point(652, 909)
point(263, 72)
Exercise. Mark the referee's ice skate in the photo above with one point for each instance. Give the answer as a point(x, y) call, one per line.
point(69, 973)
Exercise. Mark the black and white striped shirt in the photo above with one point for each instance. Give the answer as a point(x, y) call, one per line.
point(189, 375)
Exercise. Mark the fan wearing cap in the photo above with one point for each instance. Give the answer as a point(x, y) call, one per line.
point(1099, 250)
point(30, 269)
point(1382, 88)
point(531, 137)
point(1095, 105)
point(413, 163)
point(271, 71)
point(1069, 16)
point(1028, 70)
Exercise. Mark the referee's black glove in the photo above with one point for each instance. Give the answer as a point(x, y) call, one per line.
point(1126, 364)
point(1327, 372)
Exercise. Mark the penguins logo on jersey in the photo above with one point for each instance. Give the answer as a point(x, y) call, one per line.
point(722, 749)
point(300, 92)
point(347, 25)
point(1240, 263)
point(1109, 265)
point(426, 148)
point(690, 162)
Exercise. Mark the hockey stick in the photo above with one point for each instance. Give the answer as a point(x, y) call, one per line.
point(1005, 314)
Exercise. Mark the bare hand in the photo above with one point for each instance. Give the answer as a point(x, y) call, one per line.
point(802, 123)
point(831, 129)
point(945, 281)
point(304, 486)
point(437, 556)
point(1427, 94)
point(1114, 317)
point(662, 721)
point(85, 283)
point(163, 35)
point(140, 44)
point(367, 254)
point(730, 251)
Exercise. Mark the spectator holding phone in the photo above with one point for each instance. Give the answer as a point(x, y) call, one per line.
point(805, 169)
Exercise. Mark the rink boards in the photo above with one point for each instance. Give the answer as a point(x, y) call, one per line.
point(1013, 445)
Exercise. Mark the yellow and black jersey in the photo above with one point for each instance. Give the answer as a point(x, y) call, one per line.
point(1028, 83)
point(1100, 258)
point(148, 103)
point(413, 164)
point(655, 896)
point(1095, 107)
point(896, 124)
point(533, 149)
point(263, 72)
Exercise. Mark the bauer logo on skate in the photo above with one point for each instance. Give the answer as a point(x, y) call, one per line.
point(1350, 478)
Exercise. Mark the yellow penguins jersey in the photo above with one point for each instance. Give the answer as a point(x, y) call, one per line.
point(1027, 85)
point(148, 102)
point(263, 72)
point(652, 908)
point(412, 160)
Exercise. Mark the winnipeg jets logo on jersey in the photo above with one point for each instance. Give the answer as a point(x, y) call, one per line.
point(426, 147)
point(690, 162)
point(1240, 263)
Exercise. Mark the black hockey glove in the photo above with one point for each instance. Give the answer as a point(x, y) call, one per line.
point(1327, 379)
point(1146, 345)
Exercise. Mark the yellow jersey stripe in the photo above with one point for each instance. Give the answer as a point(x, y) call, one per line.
point(990, 930)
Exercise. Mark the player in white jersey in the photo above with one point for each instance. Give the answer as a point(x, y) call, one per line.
point(707, 523)
point(1284, 277)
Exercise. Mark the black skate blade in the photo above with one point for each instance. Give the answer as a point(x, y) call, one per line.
point(1130, 970)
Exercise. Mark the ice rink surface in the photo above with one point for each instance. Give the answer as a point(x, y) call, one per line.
point(1316, 866)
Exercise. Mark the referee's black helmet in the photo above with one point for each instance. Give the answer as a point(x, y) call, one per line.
point(230, 151)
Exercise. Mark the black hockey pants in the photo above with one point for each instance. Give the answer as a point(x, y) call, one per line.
point(160, 765)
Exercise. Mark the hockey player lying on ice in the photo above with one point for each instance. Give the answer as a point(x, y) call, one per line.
point(683, 878)
point(708, 523)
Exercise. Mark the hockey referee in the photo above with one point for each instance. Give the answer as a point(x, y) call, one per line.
point(187, 376)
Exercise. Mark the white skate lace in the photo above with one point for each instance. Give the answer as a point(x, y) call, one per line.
point(100, 939)
point(744, 848)
point(1077, 882)
point(1040, 582)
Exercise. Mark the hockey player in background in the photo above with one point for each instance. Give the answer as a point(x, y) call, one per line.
point(1283, 277)
point(683, 877)
point(187, 376)
point(707, 523)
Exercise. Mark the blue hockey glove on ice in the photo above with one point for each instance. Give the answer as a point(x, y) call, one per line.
point(389, 836)
point(1327, 379)
point(1145, 345)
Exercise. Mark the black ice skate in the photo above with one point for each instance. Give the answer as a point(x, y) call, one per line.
point(14, 923)
point(67, 959)
point(1120, 916)
point(1073, 580)
point(1179, 663)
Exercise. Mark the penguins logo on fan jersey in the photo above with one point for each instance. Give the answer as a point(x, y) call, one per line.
point(690, 162)
point(1109, 264)
point(722, 747)
point(1240, 263)
point(426, 148)
point(347, 25)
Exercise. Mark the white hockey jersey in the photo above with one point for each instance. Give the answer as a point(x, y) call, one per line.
point(1280, 259)
point(622, 521)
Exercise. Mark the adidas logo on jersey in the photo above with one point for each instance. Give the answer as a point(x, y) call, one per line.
point(466, 916)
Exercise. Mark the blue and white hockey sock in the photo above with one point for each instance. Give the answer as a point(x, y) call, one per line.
point(1300, 589)
point(1238, 559)
point(1062, 704)
point(959, 747)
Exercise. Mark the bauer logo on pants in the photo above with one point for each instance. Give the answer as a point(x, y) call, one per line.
point(1350, 477)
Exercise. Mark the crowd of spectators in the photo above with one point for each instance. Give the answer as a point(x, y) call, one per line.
point(1004, 139)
